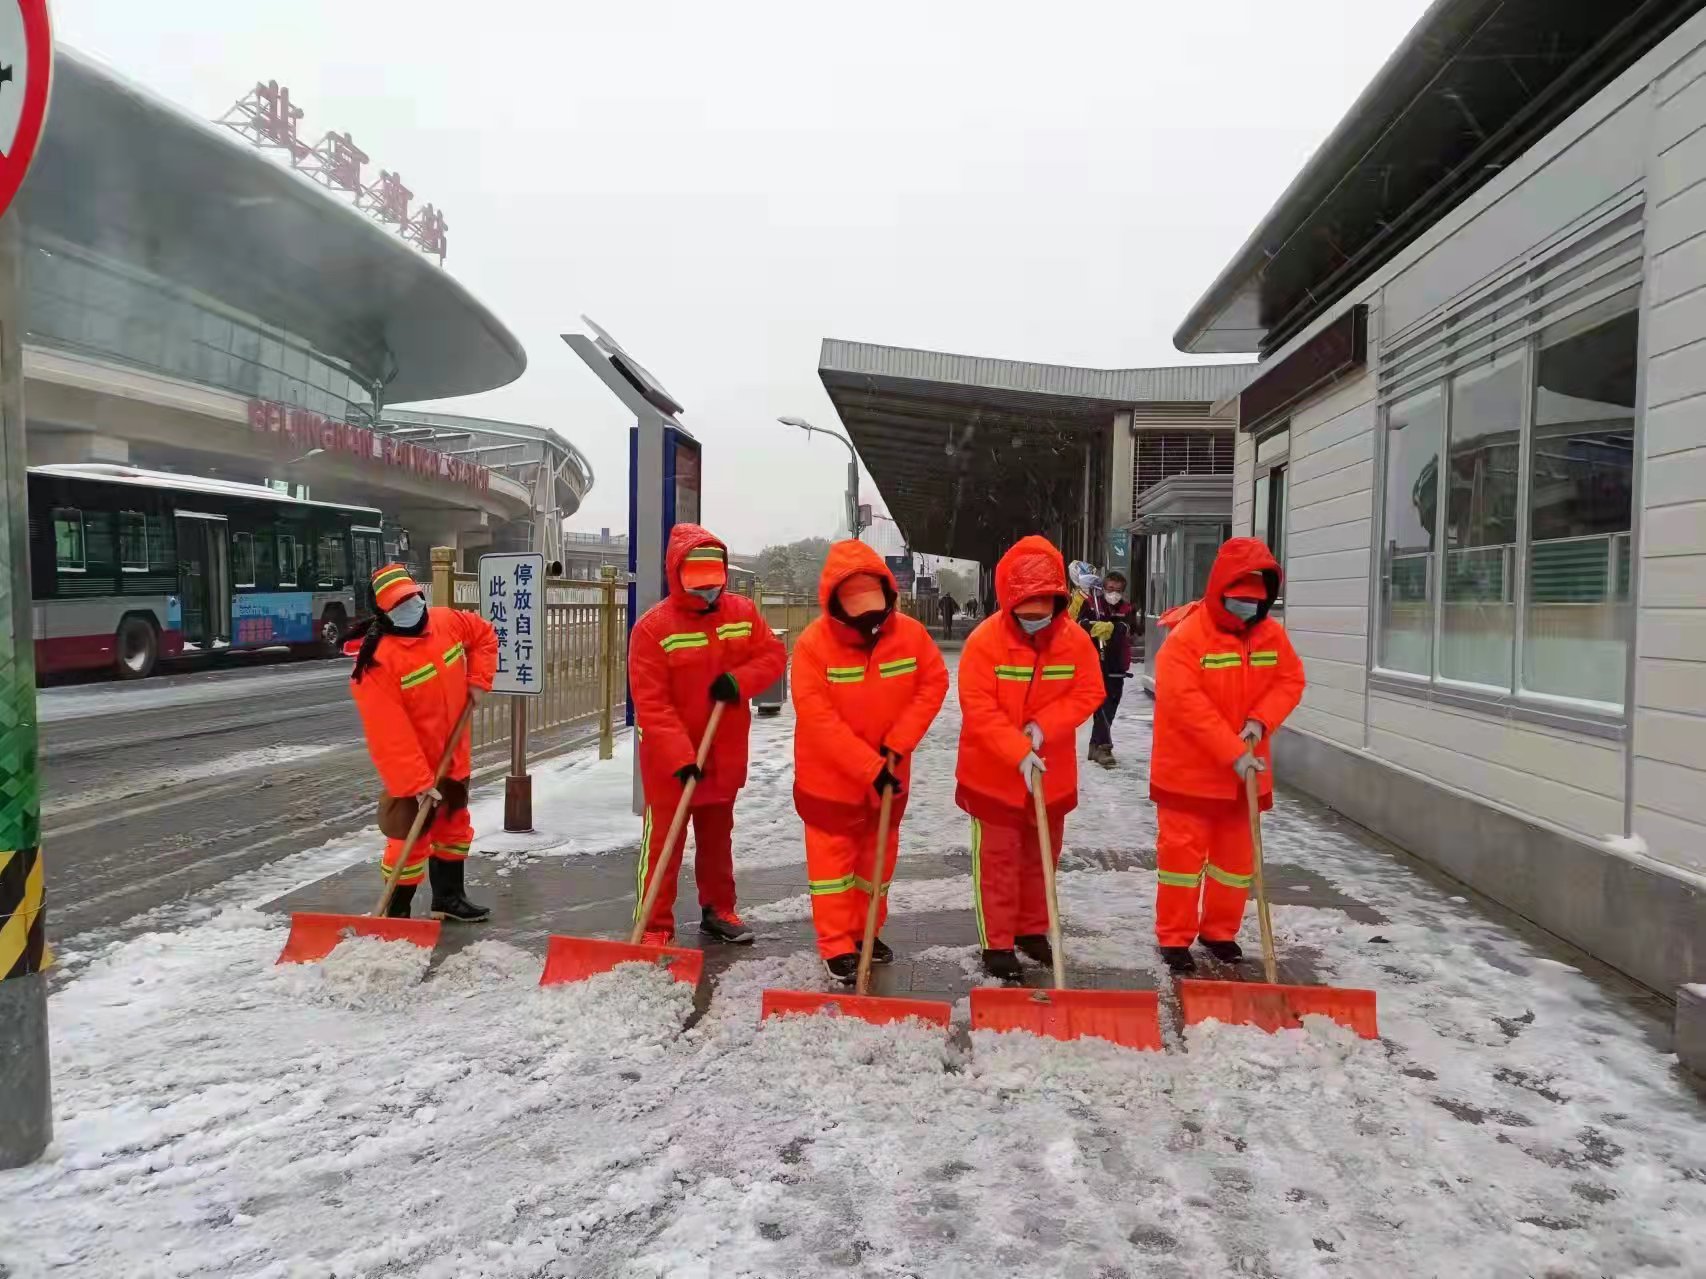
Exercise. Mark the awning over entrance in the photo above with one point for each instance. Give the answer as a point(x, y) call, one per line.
point(972, 453)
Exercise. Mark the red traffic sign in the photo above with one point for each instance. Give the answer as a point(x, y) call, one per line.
point(26, 73)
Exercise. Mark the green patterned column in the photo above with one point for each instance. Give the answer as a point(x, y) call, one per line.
point(26, 1115)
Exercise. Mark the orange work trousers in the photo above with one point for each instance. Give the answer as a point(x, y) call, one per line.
point(713, 860)
point(838, 868)
point(1203, 864)
point(1007, 881)
point(448, 837)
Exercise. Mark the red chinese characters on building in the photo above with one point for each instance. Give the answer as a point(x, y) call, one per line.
point(336, 162)
point(429, 231)
point(308, 430)
point(389, 198)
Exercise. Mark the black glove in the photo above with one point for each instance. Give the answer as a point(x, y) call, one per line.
point(886, 781)
point(724, 688)
point(689, 773)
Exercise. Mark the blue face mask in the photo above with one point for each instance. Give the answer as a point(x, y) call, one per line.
point(710, 594)
point(1032, 625)
point(408, 614)
point(1243, 610)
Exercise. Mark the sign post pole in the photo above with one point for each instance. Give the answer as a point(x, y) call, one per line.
point(518, 786)
point(26, 1095)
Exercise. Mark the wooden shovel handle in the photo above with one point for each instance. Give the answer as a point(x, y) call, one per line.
point(1253, 794)
point(1043, 843)
point(862, 985)
point(666, 862)
point(424, 810)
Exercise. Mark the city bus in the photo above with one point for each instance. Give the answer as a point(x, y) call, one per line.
point(129, 567)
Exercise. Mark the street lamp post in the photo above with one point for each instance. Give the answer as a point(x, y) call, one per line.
point(853, 526)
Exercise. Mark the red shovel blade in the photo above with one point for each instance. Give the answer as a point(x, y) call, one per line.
point(314, 936)
point(879, 1010)
point(1271, 1008)
point(1130, 1018)
point(577, 958)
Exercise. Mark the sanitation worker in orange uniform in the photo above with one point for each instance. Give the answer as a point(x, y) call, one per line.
point(1226, 677)
point(866, 683)
point(1029, 676)
point(415, 669)
point(694, 648)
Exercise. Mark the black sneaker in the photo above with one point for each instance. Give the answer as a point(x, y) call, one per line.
point(1035, 948)
point(724, 927)
point(402, 899)
point(880, 952)
point(448, 899)
point(843, 968)
point(1179, 960)
point(1227, 952)
point(1003, 965)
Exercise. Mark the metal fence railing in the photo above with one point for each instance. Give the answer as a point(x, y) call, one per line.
point(585, 654)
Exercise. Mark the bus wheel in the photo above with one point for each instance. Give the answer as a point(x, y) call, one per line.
point(136, 646)
point(332, 623)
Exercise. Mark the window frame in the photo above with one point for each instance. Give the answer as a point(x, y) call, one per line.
point(1579, 714)
point(1263, 472)
point(236, 578)
point(281, 540)
point(82, 565)
point(124, 565)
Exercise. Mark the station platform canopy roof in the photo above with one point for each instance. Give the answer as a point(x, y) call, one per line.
point(971, 452)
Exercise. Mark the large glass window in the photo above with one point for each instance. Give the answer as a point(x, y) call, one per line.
point(1415, 427)
point(331, 562)
point(1478, 622)
point(1581, 459)
point(288, 559)
point(68, 546)
point(243, 559)
point(1272, 452)
point(133, 541)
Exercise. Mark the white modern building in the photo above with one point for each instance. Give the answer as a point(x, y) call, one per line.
point(1477, 439)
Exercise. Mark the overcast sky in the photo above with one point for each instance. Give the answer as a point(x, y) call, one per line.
point(724, 185)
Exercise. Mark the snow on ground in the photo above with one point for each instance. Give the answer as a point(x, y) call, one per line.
point(152, 781)
point(218, 1116)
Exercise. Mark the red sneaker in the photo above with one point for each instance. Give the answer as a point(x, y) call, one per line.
point(724, 926)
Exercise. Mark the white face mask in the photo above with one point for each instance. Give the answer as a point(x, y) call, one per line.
point(1113, 597)
point(1243, 610)
point(408, 613)
point(710, 594)
point(1031, 625)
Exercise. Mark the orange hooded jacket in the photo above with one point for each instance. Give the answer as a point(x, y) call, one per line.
point(675, 652)
point(1211, 675)
point(852, 698)
point(1009, 679)
point(411, 696)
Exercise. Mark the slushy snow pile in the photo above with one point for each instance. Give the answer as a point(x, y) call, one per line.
point(218, 1116)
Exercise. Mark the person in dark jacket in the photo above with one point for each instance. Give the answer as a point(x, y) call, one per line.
point(1112, 622)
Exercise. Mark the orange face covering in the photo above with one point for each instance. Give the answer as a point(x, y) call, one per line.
point(861, 593)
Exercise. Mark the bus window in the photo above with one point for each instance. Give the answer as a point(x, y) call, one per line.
point(68, 554)
point(332, 561)
point(242, 559)
point(287, 560)
point(133, 541)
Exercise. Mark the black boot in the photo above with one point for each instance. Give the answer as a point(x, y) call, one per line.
point(1003, 965)
point(880, 952)
point(1035, 947)
point(843, 968)
point(1227, 952)
point(402, 898)
point(448, 900)
point(1179, 960)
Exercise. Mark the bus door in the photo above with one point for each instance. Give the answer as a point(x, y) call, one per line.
point(204, 579)
point(367, 553)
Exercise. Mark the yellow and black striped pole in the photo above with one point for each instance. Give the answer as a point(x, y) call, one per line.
point(26, 1112)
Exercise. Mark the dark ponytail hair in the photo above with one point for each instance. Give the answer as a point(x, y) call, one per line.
point(369, 630)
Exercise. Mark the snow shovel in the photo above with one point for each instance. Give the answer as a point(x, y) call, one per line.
point(1268, 1004)
point(879, 1010)
point(314, 936)
point(1130, 1018)
point(577, 958)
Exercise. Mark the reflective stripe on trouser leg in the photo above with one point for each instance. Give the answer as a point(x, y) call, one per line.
point(714, 856)
point(838, 908)
point(1227, 876)
point(1031, 918)
point(977, 881)
point(450, 836)
point(1182, 844)
point(414, 870)
point(996, 882)
point(644, 867)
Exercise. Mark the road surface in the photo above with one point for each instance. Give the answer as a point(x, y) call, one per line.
point(157, 789)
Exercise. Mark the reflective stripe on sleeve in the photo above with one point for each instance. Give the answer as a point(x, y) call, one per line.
point(900, 666)
point(685, 639)
point(734, 630)
point(1268, 658)
point(454, 653)
point(1059, 672)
